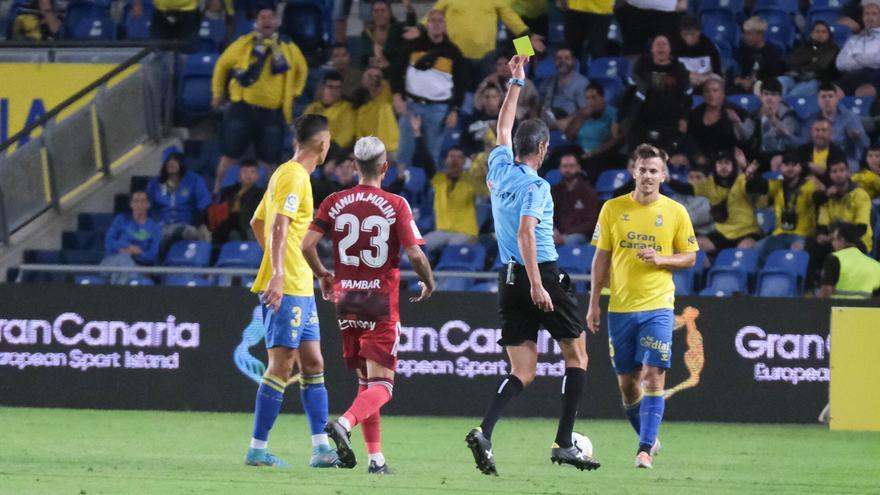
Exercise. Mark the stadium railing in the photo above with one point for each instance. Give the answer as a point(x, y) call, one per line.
point(88, 135)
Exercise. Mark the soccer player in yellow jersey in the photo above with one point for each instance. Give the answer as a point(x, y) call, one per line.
point(284, 283)
point(640, 238)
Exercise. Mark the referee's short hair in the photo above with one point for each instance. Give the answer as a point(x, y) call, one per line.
point(369, 153)
point(647, 151)
point(529, 136)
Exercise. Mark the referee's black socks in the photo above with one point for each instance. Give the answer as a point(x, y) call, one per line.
point(509, 387)
point(572, 385)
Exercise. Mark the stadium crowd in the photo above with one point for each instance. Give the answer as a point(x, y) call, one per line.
point(767, 109)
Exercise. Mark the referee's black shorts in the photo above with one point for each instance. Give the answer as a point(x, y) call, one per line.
point(521, 319)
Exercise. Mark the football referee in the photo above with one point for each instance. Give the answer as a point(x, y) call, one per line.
point(533, 291)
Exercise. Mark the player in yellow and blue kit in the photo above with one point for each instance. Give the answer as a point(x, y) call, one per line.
point(287, 294)
point(640, 238)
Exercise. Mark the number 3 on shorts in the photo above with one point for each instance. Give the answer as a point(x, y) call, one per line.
point(297, 316)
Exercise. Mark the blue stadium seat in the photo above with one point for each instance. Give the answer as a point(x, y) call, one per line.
point(89, 280)
point(88, 21)
point(212, 32)
point(189, 253)
point(609, 68)
point(827, 4)
point(696, 101)
point(309, 23)
point(82, 240)
point(242, 25)
point(779, 27)
point(82, 256)
point(186, 280)
point(736, 7)
point(840, 34)
point(194, 86)
point(684, 282)
point(452, 284)
point(805, 107)
point(859, 105)
point(557, 138)
point(544, 68)
point(451, 137)
point(766, 218)
point(465, 257)
point(777, 284)
point(137, 28)
point(240, 254)
point(248, 282)
point(790, 7)
point(613, 89)
point(140, 280)
point(788, 261)
point(484, 212)
point(749, 102)
point(553, 176)
point(720, 27)
point(43, 257)
point(609, 180)
point(491, 286)
point(772, 175)
point(556, 33)
point(709, 291)
point(415, 186)
point(728, 280)
point(230, 178)
point(744, 260)
point(577, 260)
point(202, 156)
point(828, 15)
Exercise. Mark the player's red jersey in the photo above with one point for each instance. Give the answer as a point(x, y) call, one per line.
point(368, 227)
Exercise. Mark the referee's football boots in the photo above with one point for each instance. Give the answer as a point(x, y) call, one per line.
point(481, 447)
point(573, 456)
point(342, 438)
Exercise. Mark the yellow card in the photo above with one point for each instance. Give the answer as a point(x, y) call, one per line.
point(524, 46)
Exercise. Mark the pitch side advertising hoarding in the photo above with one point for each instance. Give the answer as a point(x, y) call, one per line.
point(177, 348)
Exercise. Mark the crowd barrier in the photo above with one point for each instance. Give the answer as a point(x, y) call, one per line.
point(176, 348)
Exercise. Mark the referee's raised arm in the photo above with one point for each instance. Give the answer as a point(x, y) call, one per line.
point(508, 109)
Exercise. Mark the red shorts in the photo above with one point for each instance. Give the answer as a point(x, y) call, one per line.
point(378, 344)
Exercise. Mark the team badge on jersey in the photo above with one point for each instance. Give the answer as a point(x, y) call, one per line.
point(659, 221)
point(291, 204)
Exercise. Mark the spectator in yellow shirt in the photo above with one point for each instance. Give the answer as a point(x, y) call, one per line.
point(473, 28)
point(869, 178)
point(340, 114)
point(587, 20)
point(375, 113)
point(260, 73)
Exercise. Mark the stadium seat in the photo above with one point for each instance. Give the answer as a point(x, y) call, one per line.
point(309, 23)
point(827, 4)
point(186, 280)
point(202, 156)
point(242, 25)
point(484, 212)
point(779, 27)
point(789, 7)
point(88, 21)
point(728, 280)
point(464, 257)
point(788, 261)
point(684, 282)
point(82, 240)
point(140, 280)
point(577, 260)
point(82, 256)
point(735, 7)
point(748, 102)
point(609, 180)
point(829, 15)
point(240, 254)
point(89, 280)
point(745, 260)
point(189, 253)
point(450, 138)
point(99, 222)
point(840, 34)
point(137, 28)
point(772, 175)
point(491, 286)
point(415, 185)
point(613, 89)
point(609, 68)
point(230, 178)
point(451, 284)
point(557, 138)
point(248, 282)
point(766, 218)
point(194, 86)
point(720, 27)
point(43, 257)
point(553, 176)
point(777, 284)
point(859, 105)
point(696, 101)
point(805, 107)
point(556, 33)
point(709, 291)
point(212, 32)
point(138, 183)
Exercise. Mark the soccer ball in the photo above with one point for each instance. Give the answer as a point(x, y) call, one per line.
point(582, 443)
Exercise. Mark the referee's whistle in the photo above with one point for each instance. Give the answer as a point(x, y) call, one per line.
point(511, 278)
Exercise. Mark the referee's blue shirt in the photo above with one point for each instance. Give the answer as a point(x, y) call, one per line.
point(516, 191)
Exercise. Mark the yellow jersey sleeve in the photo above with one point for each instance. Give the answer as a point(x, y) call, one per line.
point(685, 241)
point(287, 195)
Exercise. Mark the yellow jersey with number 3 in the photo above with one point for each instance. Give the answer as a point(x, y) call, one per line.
point(626, 227)
point(290, 194)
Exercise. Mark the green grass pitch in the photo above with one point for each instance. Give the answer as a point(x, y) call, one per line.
point(86, 452)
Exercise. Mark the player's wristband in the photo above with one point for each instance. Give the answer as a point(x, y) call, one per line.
point(518, 82)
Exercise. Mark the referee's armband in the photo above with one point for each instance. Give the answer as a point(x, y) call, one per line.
point(518, 82)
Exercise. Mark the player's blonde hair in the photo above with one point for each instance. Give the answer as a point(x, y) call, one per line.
point(369, 153)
